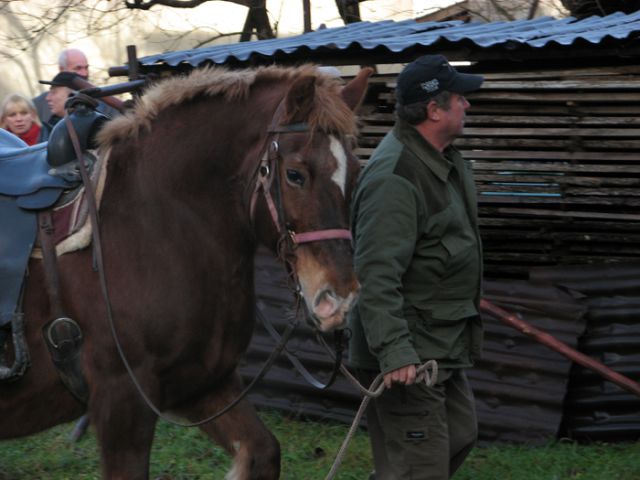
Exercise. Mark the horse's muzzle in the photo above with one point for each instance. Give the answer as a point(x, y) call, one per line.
point(330, 310)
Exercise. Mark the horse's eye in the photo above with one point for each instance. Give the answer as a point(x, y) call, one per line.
point(294, 177)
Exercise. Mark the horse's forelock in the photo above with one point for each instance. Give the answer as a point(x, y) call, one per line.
point(330, 114)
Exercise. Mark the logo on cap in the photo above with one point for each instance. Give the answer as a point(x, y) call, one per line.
point(430, 86)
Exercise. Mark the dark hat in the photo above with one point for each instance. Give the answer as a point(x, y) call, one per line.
point(429, 75)
point(62, 79)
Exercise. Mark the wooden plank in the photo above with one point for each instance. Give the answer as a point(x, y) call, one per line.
point(532, 119)
point(524, 190)
point(593, 82)
point(603, 192)
point(544, 132)
point(493, 236)
point(593, 249)
point(555, 167)
point(526, 132)
point(489, 218)
point(553, 109)
point(563, 181)
point(551, 155)
point(565, 214)
point(538, 74)
point(525, 117)
point(541, 96)
point(540, 258)
point(588, 84)
point(541, 144)
point(570, 144)
point(605, 71)
point(566, 201)
point(545, 96)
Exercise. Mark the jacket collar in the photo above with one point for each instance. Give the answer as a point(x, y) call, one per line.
point(438, 162)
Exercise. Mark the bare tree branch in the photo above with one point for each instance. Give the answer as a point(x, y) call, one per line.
point(147, 4)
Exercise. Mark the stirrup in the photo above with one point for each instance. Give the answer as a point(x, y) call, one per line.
point(63, 337)
point(21, 361)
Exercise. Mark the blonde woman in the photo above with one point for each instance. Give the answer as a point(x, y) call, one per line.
point(18, 116)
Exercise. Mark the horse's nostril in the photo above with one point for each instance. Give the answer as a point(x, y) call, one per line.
point(324, 295)
point(325, 304)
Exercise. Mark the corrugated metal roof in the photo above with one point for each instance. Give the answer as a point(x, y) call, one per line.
point(398, 37)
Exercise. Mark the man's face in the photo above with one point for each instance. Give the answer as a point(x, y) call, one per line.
point(56, 99)
point(77, 63)
point(454, 117)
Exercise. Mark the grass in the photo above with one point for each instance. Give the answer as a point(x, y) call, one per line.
point(308, 451)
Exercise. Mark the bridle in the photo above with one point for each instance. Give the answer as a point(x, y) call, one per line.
point(267, 173)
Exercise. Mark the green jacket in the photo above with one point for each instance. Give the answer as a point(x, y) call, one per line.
point(418, 257)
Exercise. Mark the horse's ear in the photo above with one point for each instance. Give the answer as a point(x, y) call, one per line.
point(300, 98)
point(354, 91)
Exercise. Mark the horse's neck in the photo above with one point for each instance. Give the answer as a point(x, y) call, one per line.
point(212, 159)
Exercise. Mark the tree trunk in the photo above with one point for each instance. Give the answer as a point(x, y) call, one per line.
point(258, 20)
point(349, 11)
point(586, 8)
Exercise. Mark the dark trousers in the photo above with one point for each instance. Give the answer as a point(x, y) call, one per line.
point(420, 432)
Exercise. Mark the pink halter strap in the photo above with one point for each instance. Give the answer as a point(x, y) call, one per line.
point(317, 235)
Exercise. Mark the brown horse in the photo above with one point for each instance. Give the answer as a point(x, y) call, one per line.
point(204, 168)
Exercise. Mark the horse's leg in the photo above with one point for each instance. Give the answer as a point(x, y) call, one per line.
point(255, 450)
point(124, 428)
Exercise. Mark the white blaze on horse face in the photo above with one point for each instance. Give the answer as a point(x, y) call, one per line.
point(340, 175)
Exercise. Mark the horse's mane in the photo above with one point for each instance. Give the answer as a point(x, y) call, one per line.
point(330, 114)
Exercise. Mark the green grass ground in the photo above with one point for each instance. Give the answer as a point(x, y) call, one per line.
point(308, 451)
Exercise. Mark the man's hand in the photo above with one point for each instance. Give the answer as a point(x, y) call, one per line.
point(404, 375)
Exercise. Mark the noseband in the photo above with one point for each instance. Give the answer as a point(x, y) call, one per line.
point(267, 172)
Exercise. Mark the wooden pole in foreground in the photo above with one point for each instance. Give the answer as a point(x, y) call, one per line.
point(560, 347)
point(80, 83)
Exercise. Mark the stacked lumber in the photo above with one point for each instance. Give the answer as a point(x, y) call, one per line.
point(556, 158)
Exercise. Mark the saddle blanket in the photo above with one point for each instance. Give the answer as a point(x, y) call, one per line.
point(72, 227)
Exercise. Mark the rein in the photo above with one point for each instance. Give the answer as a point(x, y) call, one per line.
point(337, 358)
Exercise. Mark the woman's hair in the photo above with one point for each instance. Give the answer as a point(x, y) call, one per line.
point(416, 113)
point(18, 100)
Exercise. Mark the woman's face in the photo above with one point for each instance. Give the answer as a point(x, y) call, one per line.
point(56, 99)
point(18, 118)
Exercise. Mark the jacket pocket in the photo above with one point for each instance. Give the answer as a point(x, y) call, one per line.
point(441, 333)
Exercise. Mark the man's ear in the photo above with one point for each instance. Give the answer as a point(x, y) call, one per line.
point(433, 111)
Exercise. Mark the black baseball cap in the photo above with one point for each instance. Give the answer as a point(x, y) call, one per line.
point(62, 79)
point(429, 75)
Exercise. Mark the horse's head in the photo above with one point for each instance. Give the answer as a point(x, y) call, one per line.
point(308, 173)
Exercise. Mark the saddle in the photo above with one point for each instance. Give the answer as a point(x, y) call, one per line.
point(34, 181)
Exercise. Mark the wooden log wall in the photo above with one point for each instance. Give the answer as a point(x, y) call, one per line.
point(556, 158)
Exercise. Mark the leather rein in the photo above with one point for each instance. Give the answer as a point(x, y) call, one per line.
point(264, 180)
point(266, 175)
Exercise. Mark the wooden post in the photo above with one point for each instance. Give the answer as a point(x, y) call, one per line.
point(132, 62)
point(306, 7)
point(560, 347)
